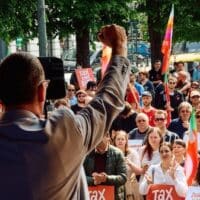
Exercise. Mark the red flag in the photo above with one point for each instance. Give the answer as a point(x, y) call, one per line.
point(191, 162)
point(105, 59)
point(167, 42)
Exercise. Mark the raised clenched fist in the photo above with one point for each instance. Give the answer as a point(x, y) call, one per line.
point(115, 37)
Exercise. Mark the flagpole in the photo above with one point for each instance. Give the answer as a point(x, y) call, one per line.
point(166, 51)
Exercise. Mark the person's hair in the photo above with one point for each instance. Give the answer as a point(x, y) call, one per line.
point(126, 138)
point(127, 109)
point(20, 74)
point(148, 148)
point(185, 104)
point(59, 102)
point(197, 178)
point(180, 142)
point(161, 112)
point(146, 73)
point(168, 144)
point(143, 115)
point(90, 84)
point(180, 62)
point(172, 77)
point(157, 60)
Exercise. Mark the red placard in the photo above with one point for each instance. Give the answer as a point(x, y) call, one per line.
point(101, 192)
point(165, 192)
point(84, 75)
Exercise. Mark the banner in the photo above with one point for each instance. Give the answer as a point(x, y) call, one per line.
point(84, 75)
point(101, 192)
point(162, 192)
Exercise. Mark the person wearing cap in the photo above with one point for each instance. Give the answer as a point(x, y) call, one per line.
point(194, 99)
point(81, 101)
point(147, 108)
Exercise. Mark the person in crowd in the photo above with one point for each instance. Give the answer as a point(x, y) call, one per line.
point(147, 108)
point(139, 133)
point(194, 99)
point(106, 166)
point(91, 88)
point(168, 172)
point(195, 85)
point(61, 103)
point(196, 74)
point(138, 86)
point(179, 150)
point(183, 84)
point(180, 66)
point(161, 122)
point(149, 153)
point(155, 75)
point(81, 101)
point(145, 82)
point(133, 97)
point(176, 97)
point(70, 94)
point(35, 162)
point(132, 165)
point(181, 124)
point(125, 120)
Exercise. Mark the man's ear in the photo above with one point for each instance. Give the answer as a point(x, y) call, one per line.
point(41, 93)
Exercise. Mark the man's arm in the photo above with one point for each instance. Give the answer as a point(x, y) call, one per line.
point(95, 120)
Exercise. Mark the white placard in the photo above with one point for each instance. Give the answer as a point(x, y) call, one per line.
point(135, 144)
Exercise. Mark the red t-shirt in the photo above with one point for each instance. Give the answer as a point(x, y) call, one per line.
point(150, 115)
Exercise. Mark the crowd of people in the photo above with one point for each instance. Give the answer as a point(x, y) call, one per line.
point(92, 129)
point(161, 140)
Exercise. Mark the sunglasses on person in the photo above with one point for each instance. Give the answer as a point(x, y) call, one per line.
point(185, 111)
point(141, 120)
point(159, 119)
point(172, 83)
point(71, 90)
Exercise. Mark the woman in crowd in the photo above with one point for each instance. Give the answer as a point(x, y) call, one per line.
point(181, 124)
point(149, 153)
point(179, 150)
point(168, 172)
point(133, 163)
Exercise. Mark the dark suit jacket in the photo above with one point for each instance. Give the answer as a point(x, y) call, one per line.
point(115, 169)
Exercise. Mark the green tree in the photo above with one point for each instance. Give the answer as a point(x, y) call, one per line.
point(84, 18)
point(186, 21)
point(18, 19)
